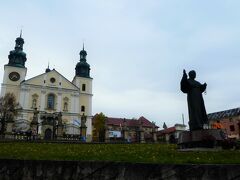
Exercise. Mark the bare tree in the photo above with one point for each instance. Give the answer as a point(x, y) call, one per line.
point(8, 110)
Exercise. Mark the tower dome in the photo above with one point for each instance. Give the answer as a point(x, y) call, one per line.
point(82, 68)
point(17, 57)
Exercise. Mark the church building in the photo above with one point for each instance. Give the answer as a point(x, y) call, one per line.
point(50, 93)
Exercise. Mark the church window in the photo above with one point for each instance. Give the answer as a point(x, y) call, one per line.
point(82, 108)
point(50, 101)
point(52, 80)
point(83, 87)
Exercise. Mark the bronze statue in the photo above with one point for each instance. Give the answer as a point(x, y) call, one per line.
point(83, 120)
point(196, 107)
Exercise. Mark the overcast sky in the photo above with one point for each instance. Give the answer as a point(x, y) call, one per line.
point(137, 50)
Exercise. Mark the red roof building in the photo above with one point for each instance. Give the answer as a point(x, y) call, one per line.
point(129, 128)
point(229, 121)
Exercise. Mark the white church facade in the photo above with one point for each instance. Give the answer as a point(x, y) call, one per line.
point(49, 92)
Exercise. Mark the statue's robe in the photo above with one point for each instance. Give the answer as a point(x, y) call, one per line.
point(196, 107)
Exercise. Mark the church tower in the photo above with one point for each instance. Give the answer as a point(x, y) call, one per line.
point(15, 71)
point(83, 81)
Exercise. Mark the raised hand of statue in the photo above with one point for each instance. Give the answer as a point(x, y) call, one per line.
point(184, 73)
point(205, 87)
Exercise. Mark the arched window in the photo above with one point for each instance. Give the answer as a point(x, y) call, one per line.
point(82, 108)
point(50, 101)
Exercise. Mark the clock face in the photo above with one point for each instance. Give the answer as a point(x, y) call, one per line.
point(14, 76)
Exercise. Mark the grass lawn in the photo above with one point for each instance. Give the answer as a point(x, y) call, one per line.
point(149, 153)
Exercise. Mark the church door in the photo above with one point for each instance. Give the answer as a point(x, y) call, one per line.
point(48, 134)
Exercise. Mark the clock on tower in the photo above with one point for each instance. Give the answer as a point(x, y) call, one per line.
point(14, 76)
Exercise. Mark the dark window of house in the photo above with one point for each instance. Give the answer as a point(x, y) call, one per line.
point(232, 128)
point(83, 87)
point(82, 108)
point(50, 101)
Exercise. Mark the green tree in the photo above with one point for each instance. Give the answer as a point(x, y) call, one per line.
point(8, 110)
point(99, 126)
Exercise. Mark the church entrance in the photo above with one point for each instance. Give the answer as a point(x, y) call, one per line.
point(48, 134)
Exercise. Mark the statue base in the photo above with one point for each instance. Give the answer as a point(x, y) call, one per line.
point(205, 138)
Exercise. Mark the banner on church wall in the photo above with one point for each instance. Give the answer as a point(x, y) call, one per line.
point(116, 134)
point(76, 122)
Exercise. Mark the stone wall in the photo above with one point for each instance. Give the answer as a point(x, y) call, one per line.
point(56, 170)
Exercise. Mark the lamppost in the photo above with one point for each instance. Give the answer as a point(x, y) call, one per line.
point(83, 127)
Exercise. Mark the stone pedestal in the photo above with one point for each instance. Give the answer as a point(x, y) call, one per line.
point(206, 138)
point(142, 140)
point(83, 132)
point(34, 129)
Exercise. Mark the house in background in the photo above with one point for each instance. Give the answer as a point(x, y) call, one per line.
point(171, 134)
point(229, 120)
point(131, 130)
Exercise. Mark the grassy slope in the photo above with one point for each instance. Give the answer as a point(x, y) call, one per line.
point(151, 153)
